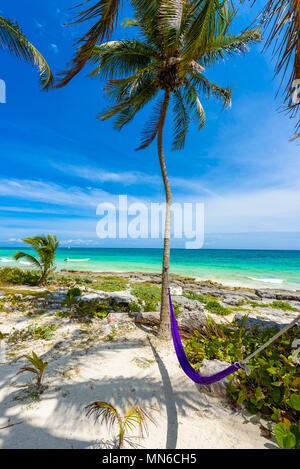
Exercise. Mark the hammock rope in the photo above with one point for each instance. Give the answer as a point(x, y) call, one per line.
point(207, 380)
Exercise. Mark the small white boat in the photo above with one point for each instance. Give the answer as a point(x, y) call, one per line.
point(76, 260)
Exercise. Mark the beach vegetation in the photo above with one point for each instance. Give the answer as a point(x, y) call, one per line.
point(284, 306)
point(45, 247)
point(13, 39)
point(147, 294)
point(135, 416)
point(191, 295)
point(33, 332)
point(38, 368)
point(16, 276)
point(165, 65)
point(210, 302)
point(110, 283)
point(272, 388)
point(69, 280)
point(87, 310)
point(72, 297)
point(213, 306)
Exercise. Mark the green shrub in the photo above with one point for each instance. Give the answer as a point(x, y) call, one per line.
point(273, 385)
point(35, 332)
point(110, 283)
point(287, 435)
point(147, 294)
point(16, 276)
point(191, 295)
point(213, 306)
point(134, 307)
point(86, 310)
point(284, 306)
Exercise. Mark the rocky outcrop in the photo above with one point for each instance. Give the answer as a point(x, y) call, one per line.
point(187, 322)
point(211, 367)
point(269, 318)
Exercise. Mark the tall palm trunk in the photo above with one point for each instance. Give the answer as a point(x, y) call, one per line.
point(164, 327)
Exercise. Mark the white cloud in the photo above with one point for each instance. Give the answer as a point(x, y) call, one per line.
point(96, 174)
point(54, 48)
point(51, 193)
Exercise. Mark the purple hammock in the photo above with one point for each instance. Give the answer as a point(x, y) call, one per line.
point(187, 368)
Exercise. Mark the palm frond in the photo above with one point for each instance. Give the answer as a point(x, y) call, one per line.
point(208, 89)
point(132, 103)
point(107, 11)
point(194, 104)
point(21, 255)
point(283, 18)
point(137, 415)
point(220, 46)
point(181, 120)
point(170, 15)
point(131, 22)
point(120, 58)
point(105, 412)
point(13, 39)
point(151, 128)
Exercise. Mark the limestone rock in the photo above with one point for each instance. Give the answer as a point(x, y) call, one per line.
point(211, 367)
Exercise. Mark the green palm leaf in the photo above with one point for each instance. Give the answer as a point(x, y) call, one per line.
point(13, 40)
point(23, 255)
point(107, 10)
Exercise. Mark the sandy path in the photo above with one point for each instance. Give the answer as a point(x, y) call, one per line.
point(187, 417)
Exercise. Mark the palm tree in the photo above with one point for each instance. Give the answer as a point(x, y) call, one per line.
point(45, 246)
point(166, 62)
point(283, 19)
point(106, 12)
point(135, 415)
point(12, 39)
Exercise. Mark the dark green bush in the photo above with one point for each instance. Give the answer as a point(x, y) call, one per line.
point(16, 276)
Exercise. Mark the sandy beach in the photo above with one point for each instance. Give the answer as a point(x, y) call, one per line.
point(119, 360)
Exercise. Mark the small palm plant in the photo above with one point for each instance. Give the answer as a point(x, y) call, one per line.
point(134, 415)
point(45, 246)
point(39, 368)
point(13, 39)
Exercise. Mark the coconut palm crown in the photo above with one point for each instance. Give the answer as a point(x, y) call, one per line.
point(45, 246)
point(13, 39)
point(104, 14)
point(165, 64)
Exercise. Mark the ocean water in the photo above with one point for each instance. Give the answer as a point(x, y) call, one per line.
point(251, 268)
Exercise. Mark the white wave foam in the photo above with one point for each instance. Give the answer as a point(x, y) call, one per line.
point(25, 262)
point(266, 280)
point(4, 259)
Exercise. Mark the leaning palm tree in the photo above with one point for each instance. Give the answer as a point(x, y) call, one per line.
point(134, 415)
point(13, 39)
point(166, 63)
point(45, 246)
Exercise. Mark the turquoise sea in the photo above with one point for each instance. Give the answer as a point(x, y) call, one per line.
point(252, 268)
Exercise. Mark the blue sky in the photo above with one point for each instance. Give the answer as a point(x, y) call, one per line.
point(58, 161)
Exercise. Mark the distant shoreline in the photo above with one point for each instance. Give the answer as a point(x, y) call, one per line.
point(234, 268)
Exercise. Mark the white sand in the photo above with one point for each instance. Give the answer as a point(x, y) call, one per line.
point(187, 417)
